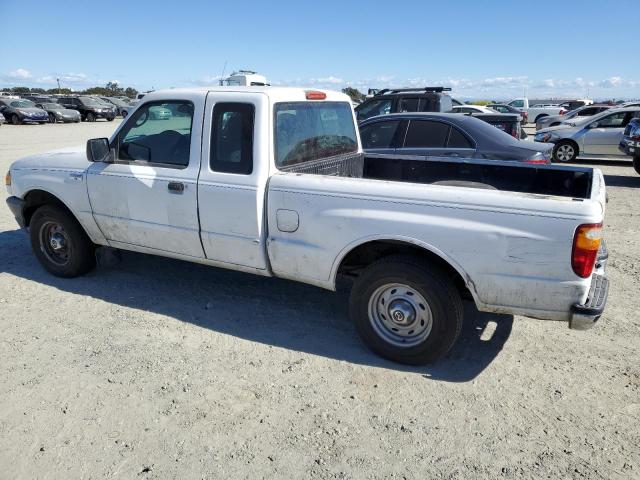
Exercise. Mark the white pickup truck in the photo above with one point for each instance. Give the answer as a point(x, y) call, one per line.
point(273, 181)
point(535, 112)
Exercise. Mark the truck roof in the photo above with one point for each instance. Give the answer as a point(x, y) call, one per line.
point(275, 93)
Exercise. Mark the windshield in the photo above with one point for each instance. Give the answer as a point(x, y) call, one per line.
point(23, 104)
point(53, 106)
point(310, 131)
point(91, 102)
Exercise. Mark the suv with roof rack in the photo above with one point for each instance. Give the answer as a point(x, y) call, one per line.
point(401, 100)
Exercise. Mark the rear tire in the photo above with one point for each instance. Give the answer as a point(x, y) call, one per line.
point(565, 151)
point(91, 117)
point(636, 164)
point(15, 119)
point(52, 118)
point(406, 310)
point(59, 243)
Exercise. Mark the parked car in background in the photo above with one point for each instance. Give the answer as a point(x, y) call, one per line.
point(596, 136)
point(507, 122)
point(580, 112)
point(90, 108)
point(19, 111)
point(630, 143)
point(400, 100)
point(534, 112)
point(504, 108)
point(39, 98)
point(569, 105)
point(471, 109)
point(159, 112)
point(57, 113)
point(447, 135)
point(120, 105)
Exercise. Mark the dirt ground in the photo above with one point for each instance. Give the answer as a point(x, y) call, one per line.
point(155, 368)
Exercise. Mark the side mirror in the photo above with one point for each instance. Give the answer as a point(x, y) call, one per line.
point(98, 150)
point(594, 125)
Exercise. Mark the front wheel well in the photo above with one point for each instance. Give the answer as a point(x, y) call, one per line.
point(36, 199)
point(542, 115)
point(364, 255)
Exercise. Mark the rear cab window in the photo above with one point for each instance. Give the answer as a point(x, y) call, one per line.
point(309, 131)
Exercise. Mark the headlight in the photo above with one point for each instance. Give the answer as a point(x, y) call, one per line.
point(542, 137)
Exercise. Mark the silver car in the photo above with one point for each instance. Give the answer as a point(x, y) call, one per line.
point(578, 113)
point(594, 137)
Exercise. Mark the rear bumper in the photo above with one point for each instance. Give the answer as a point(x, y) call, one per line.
point(584, 316)
point(16, 205)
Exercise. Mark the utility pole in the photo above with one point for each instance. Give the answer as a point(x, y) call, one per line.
point(58, 80)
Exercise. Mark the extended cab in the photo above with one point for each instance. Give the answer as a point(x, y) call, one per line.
point(536, 112)
point(273, 181)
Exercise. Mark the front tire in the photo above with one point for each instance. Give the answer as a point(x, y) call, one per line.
point(15, 119)
point(91, 117)
point(60, 244)
point(565, 151)
point(406, 310)
point(52, 118)
point(636, 164)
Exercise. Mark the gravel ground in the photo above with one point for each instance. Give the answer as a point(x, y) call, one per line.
point(155, 368)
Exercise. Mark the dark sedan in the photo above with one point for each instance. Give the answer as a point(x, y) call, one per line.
point(19, 111)
point(447, 135)
point(57, 113)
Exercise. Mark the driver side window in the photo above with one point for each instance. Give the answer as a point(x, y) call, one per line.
point(158, 133)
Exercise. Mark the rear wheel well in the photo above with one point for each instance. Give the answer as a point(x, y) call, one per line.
point(542, 115)
point(364, 255)
point(37, 198)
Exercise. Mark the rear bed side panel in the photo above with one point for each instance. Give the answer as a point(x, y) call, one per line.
point(514, 250)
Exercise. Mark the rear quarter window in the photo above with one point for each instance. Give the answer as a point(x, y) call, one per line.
point(306, 131)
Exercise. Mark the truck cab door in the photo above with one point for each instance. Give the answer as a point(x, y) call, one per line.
point(233, 178)
point(603, 136)
point(146, 199)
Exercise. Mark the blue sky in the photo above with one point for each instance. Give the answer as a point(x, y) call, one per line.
point(482, 49)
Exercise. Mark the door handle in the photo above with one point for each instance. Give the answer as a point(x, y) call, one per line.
point(177, 187)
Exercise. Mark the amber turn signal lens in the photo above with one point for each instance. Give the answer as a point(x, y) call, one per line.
point(7, 179)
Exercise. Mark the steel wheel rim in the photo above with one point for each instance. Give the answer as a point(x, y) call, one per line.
point(400, 315)
point(565, 153)
point(54, 243)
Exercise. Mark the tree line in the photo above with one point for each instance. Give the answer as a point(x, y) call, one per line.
point(111, 89)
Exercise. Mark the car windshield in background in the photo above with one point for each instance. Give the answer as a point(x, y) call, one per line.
point(53, 106)
point(23, 104)
point(91, 102)
point(310, 131)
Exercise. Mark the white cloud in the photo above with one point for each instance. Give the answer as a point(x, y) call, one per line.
point(611, 82)
point(19, 74)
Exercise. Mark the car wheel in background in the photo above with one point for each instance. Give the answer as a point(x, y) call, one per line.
point(539, 117)
point(565, 151)
point(636, 164)
point(52, 118)
point(91, 117)
point(15, 119)
point(60, 244)
point(110, 119)
point(406, 310)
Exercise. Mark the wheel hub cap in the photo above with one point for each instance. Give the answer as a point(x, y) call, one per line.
point(401, 312)
point(400, 315)
point(57, 241)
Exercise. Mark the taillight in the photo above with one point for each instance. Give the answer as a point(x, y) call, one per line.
point(537, 161)
point(586, 243)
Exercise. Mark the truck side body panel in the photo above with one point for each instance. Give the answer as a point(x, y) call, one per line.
point(513, 254)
